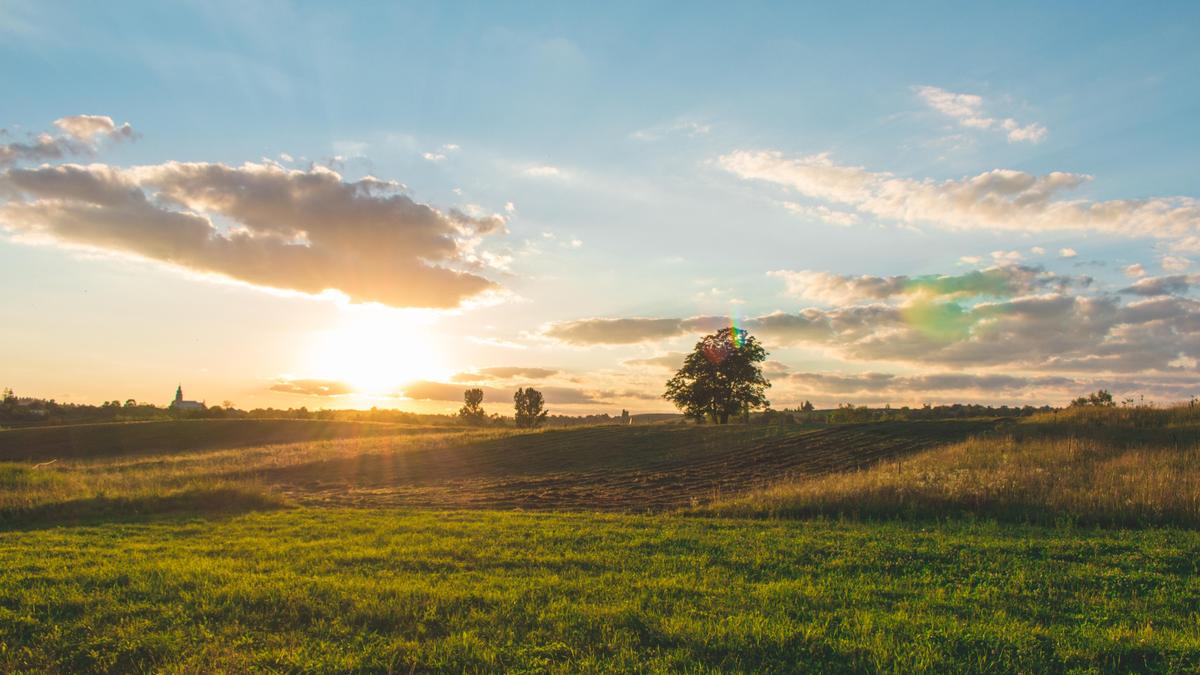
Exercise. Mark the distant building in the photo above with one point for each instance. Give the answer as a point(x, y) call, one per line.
point(180, 404)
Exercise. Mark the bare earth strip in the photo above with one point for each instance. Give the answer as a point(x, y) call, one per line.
point(604, 468)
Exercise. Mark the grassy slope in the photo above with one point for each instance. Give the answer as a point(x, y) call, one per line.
point(350, 589)
point(1109, 467)
point(86, 586)
point(82, 441)
point(598, 468)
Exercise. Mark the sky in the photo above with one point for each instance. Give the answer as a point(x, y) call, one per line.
point(380, 204)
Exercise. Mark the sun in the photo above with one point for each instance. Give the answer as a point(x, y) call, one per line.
point(377, 350)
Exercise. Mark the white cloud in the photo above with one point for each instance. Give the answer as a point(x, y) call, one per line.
point(968, 110)
point(1135, 270)
point(1067, 253)
point(433, 156)
point(92, 128)
point(80, 135)
point(689, 128)
point(543, 171)
point(822, 212)
point(1001, 199)
point(1171, 263)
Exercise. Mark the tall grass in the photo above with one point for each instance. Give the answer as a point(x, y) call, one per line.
point(1124, 417)
point(1133, 466)
point(210, 480)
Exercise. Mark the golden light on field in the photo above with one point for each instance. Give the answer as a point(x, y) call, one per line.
point(376, 350)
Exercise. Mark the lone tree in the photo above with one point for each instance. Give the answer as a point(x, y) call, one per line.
point(721, 377)
point(472, 410)
point(1099, 399)
point(530, 408)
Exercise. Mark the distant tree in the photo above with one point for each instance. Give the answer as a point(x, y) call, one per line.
point(530, 408)
point(721, 377)
point(472, 410)
point(807, 407)
point(1099, 399)
point(130, 403)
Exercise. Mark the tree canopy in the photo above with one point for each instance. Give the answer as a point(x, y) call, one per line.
point(530, 408)
point(472, 410)
point(720, 377)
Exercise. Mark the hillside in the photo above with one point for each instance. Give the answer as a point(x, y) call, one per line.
point(236, 557)
point(1105, 466)
point(112, 439)
point(150, 466)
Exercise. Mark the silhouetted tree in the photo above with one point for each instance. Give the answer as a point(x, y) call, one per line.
point(807, 407)
point(472, 410)
point(1099, 399)
point(721, 377)
point(530, 408)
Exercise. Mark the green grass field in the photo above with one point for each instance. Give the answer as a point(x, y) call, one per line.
point(340, 590)
point(976, 546)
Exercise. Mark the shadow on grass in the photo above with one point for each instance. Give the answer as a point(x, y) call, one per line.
point(1110, 433)
point(934, 510)
point(221, 501)
point(90, 441)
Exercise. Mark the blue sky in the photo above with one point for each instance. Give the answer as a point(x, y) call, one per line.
point(607, 140)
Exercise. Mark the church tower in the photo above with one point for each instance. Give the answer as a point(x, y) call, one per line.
point(179, 394)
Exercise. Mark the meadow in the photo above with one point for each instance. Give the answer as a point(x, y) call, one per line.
point(1056, 543)
point(1132, 467)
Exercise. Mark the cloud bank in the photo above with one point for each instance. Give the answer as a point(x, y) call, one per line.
point(301, 230)
point(1001, 199)
point(1000, 281)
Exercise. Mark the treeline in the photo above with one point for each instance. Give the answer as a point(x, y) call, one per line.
point(20, 411)
point(848, 413)
point(25, 411)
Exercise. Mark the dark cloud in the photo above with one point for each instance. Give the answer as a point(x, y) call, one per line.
point(307, 231)
point(775, 369)
point(1052, 332)
point(876, 388)
point(444, 391)
point(622, 331)
point(504, 373)
point(1175, 284)
point(1001, 282)
point(670, 361)
point(833, 383)
point(313, 387)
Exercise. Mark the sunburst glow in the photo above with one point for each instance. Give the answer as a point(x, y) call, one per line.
point(377, 350)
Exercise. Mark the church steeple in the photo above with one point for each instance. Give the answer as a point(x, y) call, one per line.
point(179, 394)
